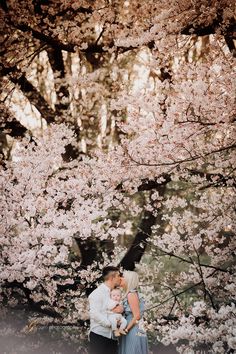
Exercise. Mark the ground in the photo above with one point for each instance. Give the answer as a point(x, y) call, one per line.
point(13, 340)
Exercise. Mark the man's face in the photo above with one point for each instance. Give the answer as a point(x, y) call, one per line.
point(116, 279)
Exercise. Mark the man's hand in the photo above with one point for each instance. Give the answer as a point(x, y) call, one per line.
point(118, 309)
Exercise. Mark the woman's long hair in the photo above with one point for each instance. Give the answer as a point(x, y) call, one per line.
point(132, 281)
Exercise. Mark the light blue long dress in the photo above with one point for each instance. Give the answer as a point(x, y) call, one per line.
point(135, 342)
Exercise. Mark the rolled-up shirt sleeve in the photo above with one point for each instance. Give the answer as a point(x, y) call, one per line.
point(95, 312)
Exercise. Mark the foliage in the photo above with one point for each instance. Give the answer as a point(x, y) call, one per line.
point(133, 111)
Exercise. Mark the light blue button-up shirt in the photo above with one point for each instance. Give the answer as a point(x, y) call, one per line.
point(98, 301)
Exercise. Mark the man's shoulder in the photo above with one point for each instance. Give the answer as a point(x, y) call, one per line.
point(97, 291)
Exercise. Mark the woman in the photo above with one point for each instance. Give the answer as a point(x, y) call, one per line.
point(135, 341)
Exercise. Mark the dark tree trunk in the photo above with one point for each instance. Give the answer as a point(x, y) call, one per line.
point(58, 68)
point(139, 244)
point(88, 251)
point(34, 97)
point(138, 247)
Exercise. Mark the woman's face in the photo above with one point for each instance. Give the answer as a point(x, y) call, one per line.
point(123, 283)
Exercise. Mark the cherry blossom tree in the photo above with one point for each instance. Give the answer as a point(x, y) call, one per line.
point(131, 161)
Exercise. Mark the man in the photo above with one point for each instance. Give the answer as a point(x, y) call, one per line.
point(101, 341)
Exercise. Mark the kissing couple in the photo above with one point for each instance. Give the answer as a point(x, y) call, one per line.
point(115, 311)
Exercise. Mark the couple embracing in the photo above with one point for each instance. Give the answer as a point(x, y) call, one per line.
point(114, 324)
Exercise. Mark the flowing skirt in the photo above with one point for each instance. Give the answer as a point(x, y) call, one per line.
point(135, 342)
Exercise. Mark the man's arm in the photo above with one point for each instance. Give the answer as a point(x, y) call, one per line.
point(95, 312)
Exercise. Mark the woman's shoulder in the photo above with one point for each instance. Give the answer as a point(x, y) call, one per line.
point(130, 294)
point(133, 293)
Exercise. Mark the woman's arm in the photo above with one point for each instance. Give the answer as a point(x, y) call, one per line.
point(133, 301)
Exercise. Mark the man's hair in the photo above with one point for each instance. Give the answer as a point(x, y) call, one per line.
point(107, 271)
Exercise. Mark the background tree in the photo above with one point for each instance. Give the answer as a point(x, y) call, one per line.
point(118, 134)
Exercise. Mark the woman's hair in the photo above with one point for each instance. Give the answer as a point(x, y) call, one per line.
point(132, 281)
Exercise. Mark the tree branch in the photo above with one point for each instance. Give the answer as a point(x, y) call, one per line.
point(214, 179)
point(33, 305)
point(190, 261)
point(52, 41)
point(33, 95)
point(178, 162)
